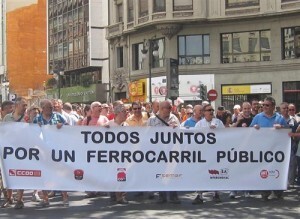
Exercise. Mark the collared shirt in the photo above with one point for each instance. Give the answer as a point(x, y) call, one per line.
point(190, 122)
point(264, 121)
point(206, 124)
point(134, 121)
point(54, 119)
point(10, 118)
point(171, 120)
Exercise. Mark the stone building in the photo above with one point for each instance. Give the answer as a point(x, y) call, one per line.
point(251, 47)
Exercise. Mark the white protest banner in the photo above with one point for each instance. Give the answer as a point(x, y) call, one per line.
point(80, 158)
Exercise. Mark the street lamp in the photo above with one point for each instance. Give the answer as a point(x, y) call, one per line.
point(58, 73)
point(152, 52)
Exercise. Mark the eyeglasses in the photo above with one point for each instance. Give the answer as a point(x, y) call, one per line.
point(210, 110)
point(291, 109)
point(137, 108)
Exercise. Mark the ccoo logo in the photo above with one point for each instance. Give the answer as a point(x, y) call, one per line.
point(29, 173)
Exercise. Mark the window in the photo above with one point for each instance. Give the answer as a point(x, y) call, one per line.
point(251, 46)
point(59, 23)
point(70, 5)
point(74, 3)
point(65, 49)
point(182, 5)
point(75, 44)
point(158, 61)
point(291, 93)
point(50, 53)
point(143, 8)
point(81, 45)
point(194, 50)
point(241, 3)
point(120, 62)
point(159, 6)
point(120, 12)
point(54, 25)
point(130, 11)
point(70, 48)
point(291, 43)
point(283, 1)
point(137, 56)
point(59, 9)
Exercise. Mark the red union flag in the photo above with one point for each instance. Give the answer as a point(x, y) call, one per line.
point(30, 173)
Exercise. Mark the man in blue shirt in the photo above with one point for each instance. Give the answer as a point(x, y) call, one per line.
point(197, 115)
point(49, 117)
point(269, 118)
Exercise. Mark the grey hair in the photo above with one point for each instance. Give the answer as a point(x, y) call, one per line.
point(119, 108)
point(45, 102)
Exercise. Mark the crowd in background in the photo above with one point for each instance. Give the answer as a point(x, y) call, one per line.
point(263, 113)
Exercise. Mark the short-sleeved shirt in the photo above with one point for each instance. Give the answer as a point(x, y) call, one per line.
point(264, 121)
point(155, 121)
point(54, 119)
point(244, 120)
point(112, 123)
point(9, 118)
point(204, 123)
point(133, 121)
point(190, 122)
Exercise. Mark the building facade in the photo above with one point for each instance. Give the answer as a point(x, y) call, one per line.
point(25, 49)
point(250, 47)
point(78, 50)
point(4, 84)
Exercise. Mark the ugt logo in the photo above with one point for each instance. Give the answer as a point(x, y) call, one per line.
point(121, 175)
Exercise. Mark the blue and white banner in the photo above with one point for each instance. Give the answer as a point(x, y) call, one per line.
point(82, 158)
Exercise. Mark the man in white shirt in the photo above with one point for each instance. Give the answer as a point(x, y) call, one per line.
point(209, 121)
point(119, 120)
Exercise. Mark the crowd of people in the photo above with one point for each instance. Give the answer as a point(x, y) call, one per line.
point(254, 114)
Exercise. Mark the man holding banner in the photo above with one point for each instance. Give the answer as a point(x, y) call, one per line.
point(208, 122)
point(48, 117)
point(269, 118)
point(165, 118)
point(18, 115)
point(120, 113)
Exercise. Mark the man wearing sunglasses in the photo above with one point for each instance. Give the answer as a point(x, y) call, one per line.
point(137, 118)
point(165, 118)
point(269, 118)
point(209, 121)
point(292, 112)
point(293, 125)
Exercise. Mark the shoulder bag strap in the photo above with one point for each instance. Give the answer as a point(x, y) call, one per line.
point(163, 121)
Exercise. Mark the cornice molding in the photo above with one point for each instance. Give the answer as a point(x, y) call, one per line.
point(168, 30)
